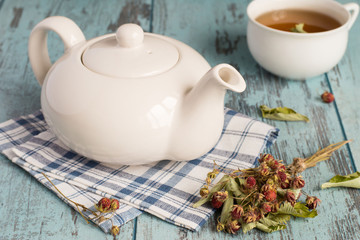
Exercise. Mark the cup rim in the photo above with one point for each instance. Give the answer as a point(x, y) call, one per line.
point(293, 34)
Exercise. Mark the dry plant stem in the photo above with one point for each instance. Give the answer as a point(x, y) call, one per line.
point(75, 203)
point(247, 196)
point(105, 219)
point(305, 193)
point(324, 154)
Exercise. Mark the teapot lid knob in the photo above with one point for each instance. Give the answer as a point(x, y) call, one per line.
point(130, 35)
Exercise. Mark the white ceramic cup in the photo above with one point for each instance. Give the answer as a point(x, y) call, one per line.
point(299, 55)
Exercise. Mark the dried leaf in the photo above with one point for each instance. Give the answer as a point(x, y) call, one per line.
point(269, 222)
point(351, 180)
point(282, 192)
point(280, 218)
point(273, 223)
point(299, 28)
point(248, 226)
point(282, 114)
point(234, 188)
point(299, 210)
point(270, 229)
point(226, 209)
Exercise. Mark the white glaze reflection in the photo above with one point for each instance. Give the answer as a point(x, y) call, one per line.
point(161, 115)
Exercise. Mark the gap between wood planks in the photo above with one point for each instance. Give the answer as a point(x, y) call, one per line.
point(341, 125)
point(1, 3)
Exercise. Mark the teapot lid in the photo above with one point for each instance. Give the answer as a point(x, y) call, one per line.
point(130, 54)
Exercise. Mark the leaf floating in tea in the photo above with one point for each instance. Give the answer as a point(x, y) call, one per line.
point(351, 180)
point(299, 28)
point(282, 114)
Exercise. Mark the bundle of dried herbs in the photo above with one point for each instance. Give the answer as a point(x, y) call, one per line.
point(264, 197)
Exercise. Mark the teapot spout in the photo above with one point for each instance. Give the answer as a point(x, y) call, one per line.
point(220, 78)
point(208, 95)
point(202, 117)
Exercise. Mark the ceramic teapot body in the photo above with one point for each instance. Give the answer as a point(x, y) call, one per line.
point(174, 114)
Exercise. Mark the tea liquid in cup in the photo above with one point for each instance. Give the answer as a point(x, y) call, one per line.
point(286, 19)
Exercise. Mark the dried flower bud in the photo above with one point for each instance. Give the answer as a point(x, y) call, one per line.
point(233, 226)
point(258, 196)
point(270, 195)
point(115, 230)
point(249, 216)
point(297, 182)
point(237, 211)
point(274, 165)
point(275, 206)
point(282, 167)
point(275, 178)
point(282, 176)
point(327, 97)
point(290, 197)
point(266, 158)
point(208, 180)
point(103, 205)
point(211, 175)
point(266, 188)
point(258, 214)
point(204, 192)
point(220, 227)
point(270, 182)
point(312, 202)
point(218, 199)
point(266, 207)
point(285, 185)
point(298, 165)
point(114, 204)
point(264, 170)
point(250, 182)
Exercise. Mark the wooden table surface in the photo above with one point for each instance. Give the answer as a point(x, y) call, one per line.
point(217, 29)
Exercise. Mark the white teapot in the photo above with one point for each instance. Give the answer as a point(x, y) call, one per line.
point(130, 97)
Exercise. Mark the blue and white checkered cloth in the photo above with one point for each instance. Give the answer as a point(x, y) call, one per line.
point(166, 189)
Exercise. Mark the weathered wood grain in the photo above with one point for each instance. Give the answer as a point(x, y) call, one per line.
point(344, 80)
point(218, 31)
point(27, 209)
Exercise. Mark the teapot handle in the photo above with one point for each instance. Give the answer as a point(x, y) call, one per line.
point(69, 33)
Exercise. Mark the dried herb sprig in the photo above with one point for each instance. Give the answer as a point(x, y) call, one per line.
point(324, 154)
point(105, 205)
point(264, 197)
point(300, 164)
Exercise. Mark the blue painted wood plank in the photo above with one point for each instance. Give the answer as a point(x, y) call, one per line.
point(27, 209)
point(344, 81)
point(217, 29)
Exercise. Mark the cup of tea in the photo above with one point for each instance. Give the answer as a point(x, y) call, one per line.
point(299, 39)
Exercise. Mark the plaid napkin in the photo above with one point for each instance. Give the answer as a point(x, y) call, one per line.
point(166, 189)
